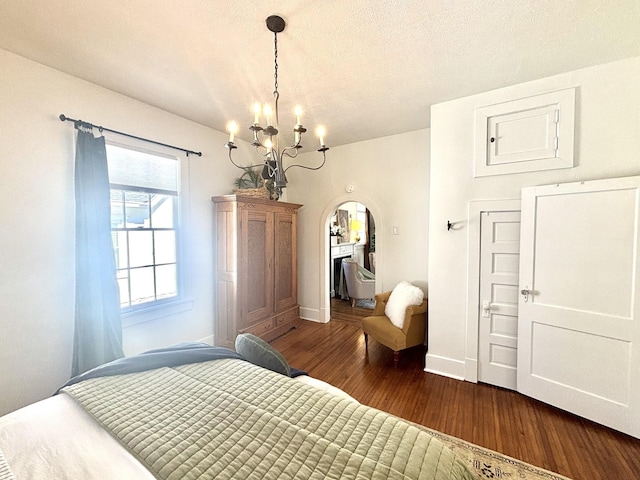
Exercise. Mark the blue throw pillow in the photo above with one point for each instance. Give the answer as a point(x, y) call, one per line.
point(259, 352)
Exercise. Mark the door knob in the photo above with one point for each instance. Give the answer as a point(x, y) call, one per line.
point(525, 292)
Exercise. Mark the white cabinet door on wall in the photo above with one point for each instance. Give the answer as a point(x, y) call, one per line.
point(580, 305)
point(524, 135)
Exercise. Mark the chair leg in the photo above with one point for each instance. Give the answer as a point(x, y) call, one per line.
point(396, 357)
point(366, 342)
point(353, 302)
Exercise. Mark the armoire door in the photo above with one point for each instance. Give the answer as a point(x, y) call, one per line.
point(285, 266)
point(579, 309)
point(255, 266)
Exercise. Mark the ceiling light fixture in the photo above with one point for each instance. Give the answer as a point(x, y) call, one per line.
point(265, 139)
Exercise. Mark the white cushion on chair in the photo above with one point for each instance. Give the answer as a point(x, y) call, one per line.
point(403, 295)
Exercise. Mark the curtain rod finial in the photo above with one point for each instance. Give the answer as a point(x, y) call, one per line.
point(62, 117)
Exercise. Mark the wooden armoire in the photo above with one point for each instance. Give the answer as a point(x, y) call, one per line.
point(256, 284)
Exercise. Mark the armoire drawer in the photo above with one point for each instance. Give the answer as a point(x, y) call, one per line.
point(287, 317)
point(260, 328)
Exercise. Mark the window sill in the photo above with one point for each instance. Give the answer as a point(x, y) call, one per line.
point(154, 312)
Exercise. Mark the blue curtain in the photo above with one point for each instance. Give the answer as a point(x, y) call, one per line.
point(98, 327)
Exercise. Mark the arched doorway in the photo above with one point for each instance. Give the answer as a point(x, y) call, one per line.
point(357, 223)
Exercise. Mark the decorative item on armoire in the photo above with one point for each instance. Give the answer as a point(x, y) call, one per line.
point(251, 184)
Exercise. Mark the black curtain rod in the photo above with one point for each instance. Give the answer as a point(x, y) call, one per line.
point(77, 123)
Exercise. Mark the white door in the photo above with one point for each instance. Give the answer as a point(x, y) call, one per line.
point(498, 316)
point(580, 305)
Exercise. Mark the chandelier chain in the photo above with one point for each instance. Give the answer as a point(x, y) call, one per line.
point(275, 61)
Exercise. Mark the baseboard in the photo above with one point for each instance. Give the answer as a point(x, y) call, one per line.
point(471, 370)
point(312, 314)
point(444, 366)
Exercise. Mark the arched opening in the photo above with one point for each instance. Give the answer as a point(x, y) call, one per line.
point(350, 228)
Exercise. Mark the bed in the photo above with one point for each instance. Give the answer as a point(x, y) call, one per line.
point(212, 414)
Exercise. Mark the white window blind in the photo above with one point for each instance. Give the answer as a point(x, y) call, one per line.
point(142, 171)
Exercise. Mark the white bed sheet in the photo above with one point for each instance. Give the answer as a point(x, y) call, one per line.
point(55, 439)
point(327, 387)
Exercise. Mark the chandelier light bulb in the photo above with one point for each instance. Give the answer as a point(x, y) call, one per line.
point(298, 111)
point(232, 127)
point(321, 132)
point(267, 113)
point(256, 112)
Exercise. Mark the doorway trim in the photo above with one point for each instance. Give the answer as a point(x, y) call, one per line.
point(476, 209)
point(325, 248)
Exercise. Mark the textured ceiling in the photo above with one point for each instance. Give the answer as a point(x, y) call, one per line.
point(362, 68)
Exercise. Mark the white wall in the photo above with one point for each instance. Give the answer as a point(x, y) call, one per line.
point(37, 214)
point(607, 144)
point(391, 177)
point(37, 217)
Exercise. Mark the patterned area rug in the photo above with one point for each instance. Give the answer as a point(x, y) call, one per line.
point(5, 471)
point(489, 464)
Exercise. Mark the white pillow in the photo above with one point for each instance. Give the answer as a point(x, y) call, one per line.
point(401, 297)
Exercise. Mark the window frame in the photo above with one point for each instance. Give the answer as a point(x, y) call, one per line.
point(149, 311)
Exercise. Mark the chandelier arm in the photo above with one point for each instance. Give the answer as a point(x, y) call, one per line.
point(249, 167)
point(324, 159)
point(256, 142)
point(271, 171)
point(285, 151)
point(266, 152)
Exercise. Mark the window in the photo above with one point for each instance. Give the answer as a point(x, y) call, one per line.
point(361, 217)
point(144, 226)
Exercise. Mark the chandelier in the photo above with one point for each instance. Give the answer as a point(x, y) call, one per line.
point(265, 139)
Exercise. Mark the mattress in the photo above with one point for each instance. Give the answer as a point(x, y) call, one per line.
point(56, 439)
point(216, 419)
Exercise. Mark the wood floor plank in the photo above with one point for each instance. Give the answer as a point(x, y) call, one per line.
point(489, 416)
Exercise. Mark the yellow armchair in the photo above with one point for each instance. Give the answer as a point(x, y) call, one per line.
point(382, 330)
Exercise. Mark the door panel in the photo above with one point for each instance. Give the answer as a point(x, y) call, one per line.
point(598, 271)
point(286, 271)
point(507, 295)
point(579, 320)
point(256, 258)
point(498, 317)
point(506, 262)
point(505, 325)
point(563, 347)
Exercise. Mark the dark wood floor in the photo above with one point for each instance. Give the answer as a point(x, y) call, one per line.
point(492, 417)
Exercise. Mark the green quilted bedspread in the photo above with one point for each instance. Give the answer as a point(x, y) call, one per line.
point(231, 419)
